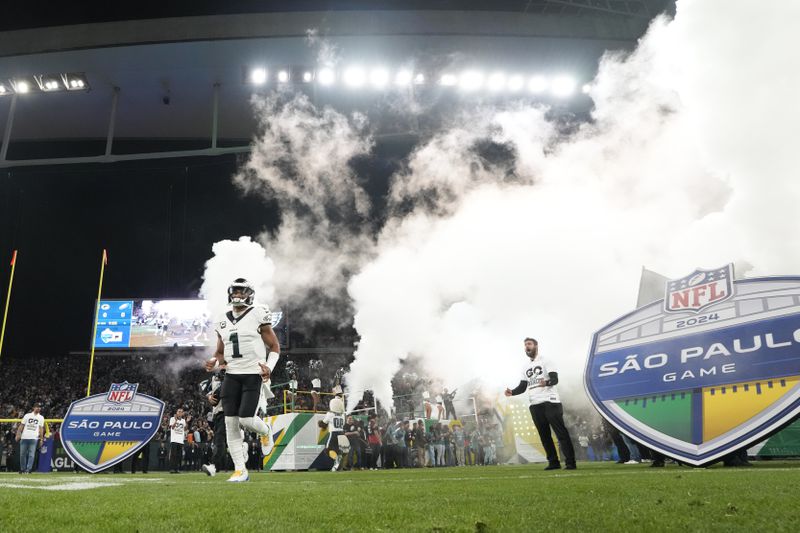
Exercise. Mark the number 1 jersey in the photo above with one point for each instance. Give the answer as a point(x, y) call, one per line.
point(241, 336)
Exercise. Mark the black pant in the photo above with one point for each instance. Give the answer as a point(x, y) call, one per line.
point(175, 453)
point(240, 394)
point(375, 450)
point(220, 441)
point(145, 460)
point(450, 410)
point(549, 415)
point(622, 448)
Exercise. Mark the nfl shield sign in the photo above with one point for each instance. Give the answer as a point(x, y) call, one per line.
point(105, 429)
point(699, 290)
point(698, 385)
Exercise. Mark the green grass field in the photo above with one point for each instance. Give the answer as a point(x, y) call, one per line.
point(596, 497)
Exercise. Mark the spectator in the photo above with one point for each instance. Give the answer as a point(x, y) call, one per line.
point(30, 434)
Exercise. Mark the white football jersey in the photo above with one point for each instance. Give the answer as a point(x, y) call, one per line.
point(335, 422)
point(535, 373)
point(241, 336)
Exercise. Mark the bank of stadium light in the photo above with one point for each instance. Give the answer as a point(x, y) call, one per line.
point(48, 84)
point(283, 76)
point(496, 82)
point(75, 81)
point(537, 84)
point(516, 83)
point(258, 76)
point(354, 77)
point(21, 86)
point(403, 78)
point(4, 90)
point(586, 88)
point(419, 79)
point(326, 76)
point(448, 80)
point(307, 76)
point(563, 86)
point(379, 77)
point(470, 80)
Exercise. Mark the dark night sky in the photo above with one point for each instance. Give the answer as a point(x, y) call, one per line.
point(158, 219)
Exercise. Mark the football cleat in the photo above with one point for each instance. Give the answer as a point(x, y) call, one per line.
point(267, 444)
point(239, 476)
point(210, 470)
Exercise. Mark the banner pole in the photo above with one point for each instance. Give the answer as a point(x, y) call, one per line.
point(103, 263)
point(8, 299)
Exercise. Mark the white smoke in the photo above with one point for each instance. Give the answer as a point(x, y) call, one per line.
point(689, 161)
point(302, 157)
point(237, 259)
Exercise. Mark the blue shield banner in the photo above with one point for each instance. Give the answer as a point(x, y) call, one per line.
point(696, 385)
point(105, 429)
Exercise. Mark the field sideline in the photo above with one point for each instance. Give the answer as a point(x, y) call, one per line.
point(598, 496)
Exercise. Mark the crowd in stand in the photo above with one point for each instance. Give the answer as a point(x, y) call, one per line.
point(413, 435)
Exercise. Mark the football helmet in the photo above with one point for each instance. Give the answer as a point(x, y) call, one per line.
point(337, 405)
point(247, 290)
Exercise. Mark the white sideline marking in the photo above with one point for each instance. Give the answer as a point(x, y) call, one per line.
point(60, 486)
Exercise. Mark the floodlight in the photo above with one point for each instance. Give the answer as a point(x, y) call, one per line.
point(537, 84)
point(515, 83)
point(470, 80)
point(379, 77)
point(258, 76)
point(403, 78)
point(496, 82)
point(354, 77)
point(563, 86)
point(448, 80)
point(326, 76)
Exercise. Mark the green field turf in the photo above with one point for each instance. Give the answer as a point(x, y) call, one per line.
point(597, 497)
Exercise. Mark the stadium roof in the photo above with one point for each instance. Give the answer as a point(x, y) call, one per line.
point(164, 60)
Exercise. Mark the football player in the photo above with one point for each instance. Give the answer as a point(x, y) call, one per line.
point(240, 336)
point(338, 444)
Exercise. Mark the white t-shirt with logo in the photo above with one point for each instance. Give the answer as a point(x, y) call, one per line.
point(178, 431)
point(31, 424)
point(536, 373)
point(241, 335)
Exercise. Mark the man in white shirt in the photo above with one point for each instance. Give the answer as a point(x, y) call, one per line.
point(30, 435)
point(177, 434)
point(539, 378)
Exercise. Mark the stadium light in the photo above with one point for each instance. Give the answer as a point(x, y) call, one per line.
point(3, 89)
point(354, 77)
point(22, 87)
point(515, 83)
point(326, 76)
point(258, 76)
point(537, 84)
point(586, 88)
point(470, 80)
point(496, 82)
point(403, 78)
point(379, 77)
point(448, 80)
point(307, 76)
point(563, 86)
point(283, 76)
point(419, 79)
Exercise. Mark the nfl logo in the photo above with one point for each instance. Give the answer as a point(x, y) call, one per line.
point(699, 290)
point(122, 392)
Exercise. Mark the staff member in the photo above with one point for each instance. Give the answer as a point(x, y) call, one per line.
point(540, 379)
point(29, 431)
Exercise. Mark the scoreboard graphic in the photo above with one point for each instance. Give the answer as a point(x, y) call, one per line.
point(714, 369)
